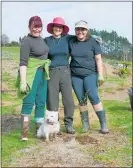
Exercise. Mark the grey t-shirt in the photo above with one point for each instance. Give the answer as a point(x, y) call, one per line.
point(33, 47)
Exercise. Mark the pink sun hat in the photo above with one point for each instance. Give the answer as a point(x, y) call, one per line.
point(58, 21)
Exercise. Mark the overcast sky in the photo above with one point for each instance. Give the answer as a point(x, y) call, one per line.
point(99, 15)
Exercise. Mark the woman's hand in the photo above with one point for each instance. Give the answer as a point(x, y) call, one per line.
point(97, 38)
point(100, 80)
point(23, 86)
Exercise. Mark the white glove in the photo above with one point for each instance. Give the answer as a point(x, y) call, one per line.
point(23, 86)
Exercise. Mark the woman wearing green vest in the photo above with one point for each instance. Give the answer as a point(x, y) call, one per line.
point(33, 75)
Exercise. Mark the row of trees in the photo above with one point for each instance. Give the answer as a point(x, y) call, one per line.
point(117, 47)
point(114, 46)
point(6, 42)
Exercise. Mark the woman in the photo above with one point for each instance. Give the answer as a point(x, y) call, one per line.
point(86, 70)
point(60, 78)
point(33, 74)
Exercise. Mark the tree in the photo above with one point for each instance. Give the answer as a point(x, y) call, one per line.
point(14, 43)
point(4, 39)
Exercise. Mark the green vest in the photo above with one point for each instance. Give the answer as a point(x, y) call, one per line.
point(32, 66)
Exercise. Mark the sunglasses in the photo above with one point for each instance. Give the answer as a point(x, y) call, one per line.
point(80, 29)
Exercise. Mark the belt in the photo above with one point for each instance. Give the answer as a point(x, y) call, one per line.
point(59, 67)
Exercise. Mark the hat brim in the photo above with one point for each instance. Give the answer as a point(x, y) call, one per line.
point(50, 26)
point(82, 26)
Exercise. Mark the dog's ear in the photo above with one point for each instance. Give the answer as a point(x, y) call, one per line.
point(46, 112)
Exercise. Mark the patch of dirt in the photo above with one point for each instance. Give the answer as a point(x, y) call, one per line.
point(57, 153)
point(108, 70)
point(71, 151)
point(10, 66)
point(6, 103)
point(9, 123)
point(117, 95)
point(18, 108)
point(109, 85)
point(4, 87)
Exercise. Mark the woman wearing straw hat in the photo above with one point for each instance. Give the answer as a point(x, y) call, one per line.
point(87, 73)
point(60, 76)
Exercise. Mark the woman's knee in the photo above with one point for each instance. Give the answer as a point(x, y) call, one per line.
point(94, 98)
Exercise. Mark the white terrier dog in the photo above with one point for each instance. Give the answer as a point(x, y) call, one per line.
point(50, 126)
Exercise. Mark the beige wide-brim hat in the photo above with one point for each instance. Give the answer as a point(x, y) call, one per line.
point(82, 24)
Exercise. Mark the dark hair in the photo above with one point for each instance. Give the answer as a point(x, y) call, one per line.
point(88, 35)
point(35, 21)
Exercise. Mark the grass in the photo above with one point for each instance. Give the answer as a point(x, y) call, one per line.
point(119, 117)
point(8, 80)
point(10, 140)
point(11, 49)
point(14, 53)
point(10, 95)
point(109, 90)
point(114, 79)
point(11, 144)
point(10, 109)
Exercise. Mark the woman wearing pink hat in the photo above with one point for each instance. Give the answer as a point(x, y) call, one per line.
point(60, 74)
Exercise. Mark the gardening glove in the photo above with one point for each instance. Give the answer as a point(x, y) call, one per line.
point(23, 86)
point(100, 80)
point(97, 38)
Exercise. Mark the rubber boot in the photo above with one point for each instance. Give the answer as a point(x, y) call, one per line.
point(68, 124)
point(102, 120)
point(24, 127)
point(85, 121)
point(70, 130)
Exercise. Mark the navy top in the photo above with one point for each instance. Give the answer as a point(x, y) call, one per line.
point(83, 53)
point(58, 50)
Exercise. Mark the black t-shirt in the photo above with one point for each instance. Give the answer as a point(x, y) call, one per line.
point(83, 53)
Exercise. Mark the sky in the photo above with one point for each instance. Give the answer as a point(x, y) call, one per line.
point(107, 16)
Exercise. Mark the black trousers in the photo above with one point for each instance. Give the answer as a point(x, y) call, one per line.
point(60, 81)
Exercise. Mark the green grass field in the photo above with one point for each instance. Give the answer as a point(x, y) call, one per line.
point(11, 49)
